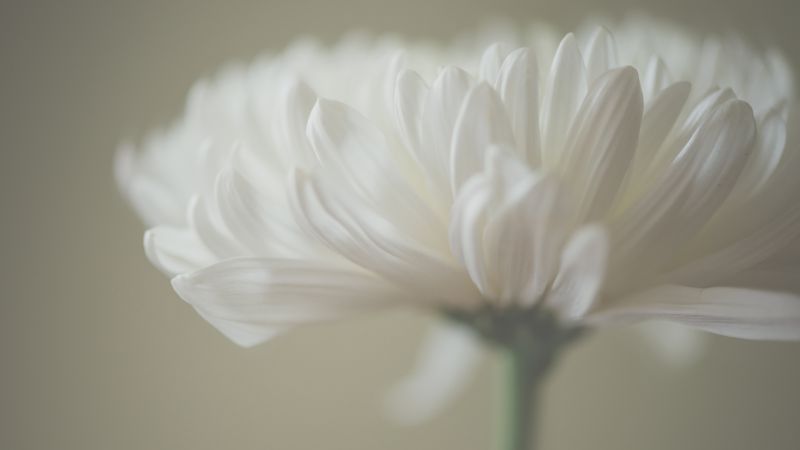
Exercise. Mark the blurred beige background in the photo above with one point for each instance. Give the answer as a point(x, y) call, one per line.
point(96, 352)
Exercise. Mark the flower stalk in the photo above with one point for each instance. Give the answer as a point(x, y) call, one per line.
point(530, 340)
point(525, 373)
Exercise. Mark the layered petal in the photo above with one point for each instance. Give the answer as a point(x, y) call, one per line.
point(602, 141)
point(648, 235)
point(565, 89)
point(481, 123)
point(518, 85)
point(175, 250)
point(368, 239)
point(507, 227)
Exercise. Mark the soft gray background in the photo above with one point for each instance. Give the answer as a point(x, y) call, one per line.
point(97, 353)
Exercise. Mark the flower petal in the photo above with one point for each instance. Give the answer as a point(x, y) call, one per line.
point(602, 141)
point(295, 103)
point(580, 277)
point(660, 116)
point(372, 241)
point(656, 78)
point(601, 54)
point(358, 162)
point(481, 123)
point(257, 295)
point(677, 345)
point(468, 219)
point(523, 235)
point(175, 250)
point(205, 220)
point(491, 61)
point(259, 225)
point(439, 116)
point(518, 85)
point(742, 313)
point(565, 89)
point(742, 254)
point(766, 155)
point(410, 94)
point(507, 227)
point(648, 234)
point(443, 369)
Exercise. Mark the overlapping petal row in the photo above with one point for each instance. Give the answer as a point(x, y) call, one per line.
point(608, 179)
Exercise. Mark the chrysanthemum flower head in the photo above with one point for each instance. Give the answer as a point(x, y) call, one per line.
point(595, 179)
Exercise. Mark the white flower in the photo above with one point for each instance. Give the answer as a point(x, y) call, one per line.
point(606, 180)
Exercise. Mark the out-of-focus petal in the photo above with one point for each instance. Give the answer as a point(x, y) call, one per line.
point(442, 371)
point(735, 312)
point(257, 296)
point(676, 345)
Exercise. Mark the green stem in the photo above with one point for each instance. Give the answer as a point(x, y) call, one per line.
point(523, 378)
point(530, 340)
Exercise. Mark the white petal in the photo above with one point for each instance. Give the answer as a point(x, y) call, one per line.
point(481, 123)
point(370, 240)
point(443, 369)
point(518, 85)
point(175, 250)
point(744, 253)
point(259, 225)
point(734, 312)
point(258, 295)
point(660, 114)
point(650, 232)
point(656, 78)
point(677, 345)
point(580, 277)
point(206, 221)
point(601, 54)
point(346, 143)
point(490, 62)
point(507, 227)
point(468, 219)
point(523, 234)
point(409, 100)
point(154, 202)
point(358, 162)
point(439, 118)
point(244, 335)
point(700, 114)
point(565, 89)
point(766, 156)
point(602, 141)
point(289, 126)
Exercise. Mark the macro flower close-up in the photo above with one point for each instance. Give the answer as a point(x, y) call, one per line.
point(382, 225)
point(528, 185)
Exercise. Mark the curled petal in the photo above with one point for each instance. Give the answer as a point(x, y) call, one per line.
point(175, 250)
